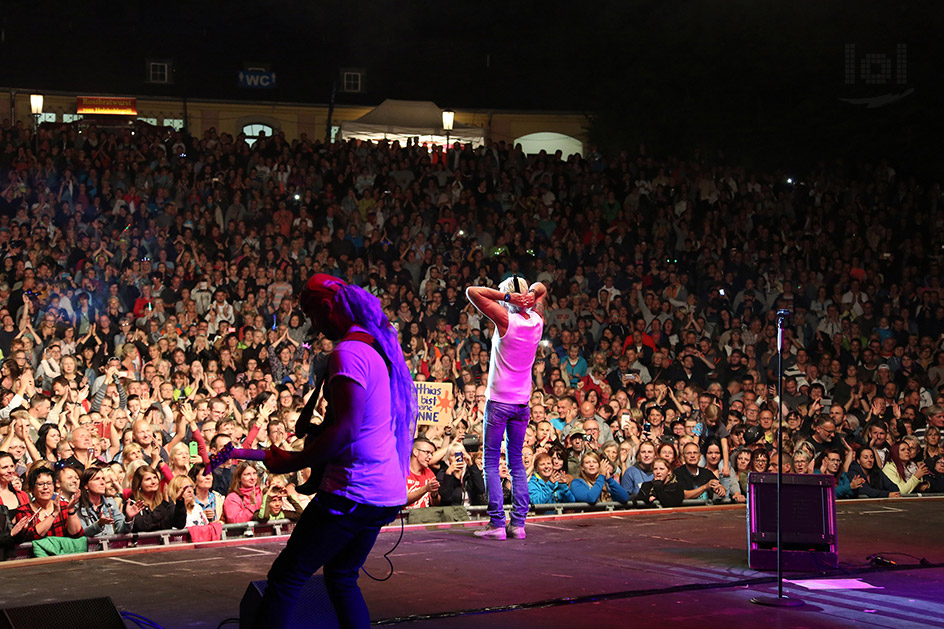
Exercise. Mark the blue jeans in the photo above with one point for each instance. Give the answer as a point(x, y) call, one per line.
point(333, 532)
point(503, 420)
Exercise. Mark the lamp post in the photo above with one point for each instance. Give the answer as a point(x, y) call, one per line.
point(36, 107)
point(448, 119)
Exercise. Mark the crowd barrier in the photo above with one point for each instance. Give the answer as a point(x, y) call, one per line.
point(174, 536)
point(249, 530)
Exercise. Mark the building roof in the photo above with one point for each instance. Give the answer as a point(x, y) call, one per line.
point(404, 55)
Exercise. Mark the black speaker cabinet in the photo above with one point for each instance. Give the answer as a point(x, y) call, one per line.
point(89, 613)
point(314, 609)
point(808, 522)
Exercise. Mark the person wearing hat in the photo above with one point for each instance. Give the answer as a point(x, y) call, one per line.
point(361, 452)
point(517, 311)
point(576, 446)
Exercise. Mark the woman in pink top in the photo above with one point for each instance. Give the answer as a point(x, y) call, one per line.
point(245, 495)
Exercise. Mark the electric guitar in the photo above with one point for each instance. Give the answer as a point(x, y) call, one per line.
point(230, 452)
point(303, 428)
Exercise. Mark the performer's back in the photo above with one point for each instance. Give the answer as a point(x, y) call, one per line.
point(368, 469)
point(512, 357)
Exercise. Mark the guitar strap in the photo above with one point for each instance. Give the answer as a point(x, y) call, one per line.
point(364, 337)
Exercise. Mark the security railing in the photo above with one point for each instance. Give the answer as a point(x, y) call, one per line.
point(249, 530)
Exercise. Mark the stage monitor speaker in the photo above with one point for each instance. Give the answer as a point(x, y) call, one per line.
point(88, 613)
point(314, 609)
point(808, 522)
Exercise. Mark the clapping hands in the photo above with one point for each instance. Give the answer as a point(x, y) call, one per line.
point(134, 508)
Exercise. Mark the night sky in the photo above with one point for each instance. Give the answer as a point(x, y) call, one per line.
point(736, 75)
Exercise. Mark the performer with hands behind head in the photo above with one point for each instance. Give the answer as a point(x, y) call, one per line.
point(518, 314)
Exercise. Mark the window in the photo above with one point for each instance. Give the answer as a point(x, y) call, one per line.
point(159, 72)
point(47, 117)
point(253, 131)
point(148, 120)
point(352, 82)
point(72, 117)
point(550, 142)
point(176, 123)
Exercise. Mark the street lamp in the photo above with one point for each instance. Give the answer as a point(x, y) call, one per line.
point(36, 107)
point(448, 118)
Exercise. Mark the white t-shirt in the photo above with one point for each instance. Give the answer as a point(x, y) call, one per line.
point(509, 372)
point(196, 516)
point(368, 469)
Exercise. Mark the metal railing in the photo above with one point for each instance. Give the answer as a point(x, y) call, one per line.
point(271, 528)
point(169, 537)
point(560, 508)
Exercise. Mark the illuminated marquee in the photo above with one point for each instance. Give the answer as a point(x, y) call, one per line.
point(107, 105)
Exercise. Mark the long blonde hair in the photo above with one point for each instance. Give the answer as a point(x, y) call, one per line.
point(176, 487)
point(180, 447)
point(130, 469)
point(126, 453)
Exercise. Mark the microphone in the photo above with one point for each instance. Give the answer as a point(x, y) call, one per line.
point(782, 316)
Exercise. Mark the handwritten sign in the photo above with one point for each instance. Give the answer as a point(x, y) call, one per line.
point(435, 402)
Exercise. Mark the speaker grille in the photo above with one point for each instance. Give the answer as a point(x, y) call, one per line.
point(89, 613)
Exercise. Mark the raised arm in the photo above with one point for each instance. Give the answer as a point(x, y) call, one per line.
point(21, 427)
point(487, 300)
point(179, 434)
point(539, 290)
point(201, 443)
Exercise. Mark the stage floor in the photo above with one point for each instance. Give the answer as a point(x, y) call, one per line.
point(685, 567)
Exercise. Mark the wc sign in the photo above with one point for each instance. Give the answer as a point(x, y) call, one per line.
point(876, 78)
point(257, 79)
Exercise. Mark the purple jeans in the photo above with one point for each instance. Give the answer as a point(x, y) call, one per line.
point(506, 422)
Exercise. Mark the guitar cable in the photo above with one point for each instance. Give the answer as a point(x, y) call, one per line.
point(387, 554)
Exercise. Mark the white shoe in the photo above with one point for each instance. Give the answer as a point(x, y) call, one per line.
point(516, 532)
point(491, 532)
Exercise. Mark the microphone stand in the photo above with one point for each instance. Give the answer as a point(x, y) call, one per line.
point(780, 600)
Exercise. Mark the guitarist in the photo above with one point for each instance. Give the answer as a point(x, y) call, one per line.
point(363, 445)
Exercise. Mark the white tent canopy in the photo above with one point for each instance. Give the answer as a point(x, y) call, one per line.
point(405, 119)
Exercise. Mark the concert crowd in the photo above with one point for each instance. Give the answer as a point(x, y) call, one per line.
point(149, 317)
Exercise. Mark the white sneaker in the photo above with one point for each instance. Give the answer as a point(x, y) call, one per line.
point(491, 532)
point(516, 532)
